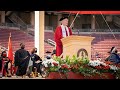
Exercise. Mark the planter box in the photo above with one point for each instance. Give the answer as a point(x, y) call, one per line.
point(97, 76)
point(72, 75)
point(102, 76)
point(107, 76)
point(56, 75)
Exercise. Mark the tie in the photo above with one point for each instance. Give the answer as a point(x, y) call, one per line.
point(66, 31)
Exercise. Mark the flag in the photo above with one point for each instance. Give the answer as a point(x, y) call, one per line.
point(10, 52)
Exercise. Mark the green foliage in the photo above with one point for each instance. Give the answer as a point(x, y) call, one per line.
point(59, 59)
point(75, 59)
point(84, 60)
point(67, 59)
point(87, 71)
point(53, 69)
point(79, 65)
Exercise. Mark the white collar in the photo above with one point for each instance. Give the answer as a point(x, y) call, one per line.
point(63, 30)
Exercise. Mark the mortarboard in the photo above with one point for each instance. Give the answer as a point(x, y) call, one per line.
point(63, 18)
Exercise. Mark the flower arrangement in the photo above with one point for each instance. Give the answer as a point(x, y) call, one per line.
point(51, 65)
point(102, 66)
point(82, 66)
point(64, 68)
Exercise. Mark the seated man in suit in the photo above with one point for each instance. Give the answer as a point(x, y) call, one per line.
point(114, 57)
point(36, 62)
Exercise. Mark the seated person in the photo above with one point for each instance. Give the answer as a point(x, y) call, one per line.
point(48, 55)
point(53, 53)
point(6, 64)
point(114, 57)
point(36, 61)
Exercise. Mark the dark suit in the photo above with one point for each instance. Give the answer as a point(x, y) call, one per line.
point(114, 58)
point(34, 58)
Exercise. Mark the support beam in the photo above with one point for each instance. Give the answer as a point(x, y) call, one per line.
point(39, 32)
point(71, 20)
point(3, 17)
point(32, 18)
point(93, 22)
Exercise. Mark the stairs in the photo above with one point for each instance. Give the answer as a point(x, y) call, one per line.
point(116, 21)
point(104, 46)
point(101, 44)
point(17, 20)
point(19, 36)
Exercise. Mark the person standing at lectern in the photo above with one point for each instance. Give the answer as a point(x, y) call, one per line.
point(61, 31)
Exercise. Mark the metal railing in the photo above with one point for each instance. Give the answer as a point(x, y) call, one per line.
point(95, 30)
point(8, 25)
point(51, 42)
point(30, 26)
point(51, 28)
point(48, 28)
point(2, 48)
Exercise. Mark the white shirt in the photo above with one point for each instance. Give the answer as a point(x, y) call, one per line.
point(64, 31)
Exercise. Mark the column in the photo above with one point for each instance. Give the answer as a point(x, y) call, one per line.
point(2, 16)
point(39, 32)
point(32, 18)
point(93, 22)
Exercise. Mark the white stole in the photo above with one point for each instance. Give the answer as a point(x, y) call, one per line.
point(64, 32)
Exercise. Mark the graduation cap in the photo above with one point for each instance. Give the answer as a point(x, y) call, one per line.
point(111, 49)
point(48, 55)
point(63, 18)
point(48, 52)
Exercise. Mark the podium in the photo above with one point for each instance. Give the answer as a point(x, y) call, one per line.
point(77, 45)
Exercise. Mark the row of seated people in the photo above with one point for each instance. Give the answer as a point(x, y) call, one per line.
point(25, 63)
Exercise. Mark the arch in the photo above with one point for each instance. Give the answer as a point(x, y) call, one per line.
point(82, 51)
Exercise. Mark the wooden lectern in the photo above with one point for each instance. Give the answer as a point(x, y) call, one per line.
point(77, 45)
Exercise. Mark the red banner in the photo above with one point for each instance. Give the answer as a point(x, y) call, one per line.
point(10, 52)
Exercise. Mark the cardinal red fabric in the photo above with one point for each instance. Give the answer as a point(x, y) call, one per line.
point(10, 51)
point(58, 36)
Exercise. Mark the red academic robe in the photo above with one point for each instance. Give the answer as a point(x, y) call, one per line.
point(58, 36)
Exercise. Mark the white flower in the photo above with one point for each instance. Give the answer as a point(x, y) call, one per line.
point(96, 63)
point(104, 64)
point(112, 67)
point(49, 61)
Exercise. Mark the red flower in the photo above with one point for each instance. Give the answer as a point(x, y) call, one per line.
point(64, 66)
point(55, 64)
point(106, 67)
point(108, 62)
point(98, 67)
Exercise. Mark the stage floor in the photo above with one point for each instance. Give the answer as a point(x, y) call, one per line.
point(19, 77)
